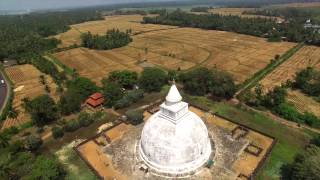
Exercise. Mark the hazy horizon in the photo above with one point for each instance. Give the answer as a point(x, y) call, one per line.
point(16, 5)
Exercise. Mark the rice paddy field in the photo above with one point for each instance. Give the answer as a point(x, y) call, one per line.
point(171, 48)
point(238, 12)
point(27, 84)
point(121, 22)
point(306, 56)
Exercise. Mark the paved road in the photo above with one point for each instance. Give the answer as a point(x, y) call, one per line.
point(3, 92)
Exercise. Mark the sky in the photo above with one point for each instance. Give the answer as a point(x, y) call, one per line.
point(52, 4)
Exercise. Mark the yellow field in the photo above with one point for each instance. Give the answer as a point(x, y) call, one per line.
point(173, 48)
point(121, 22)
point(307, 56)
point(26, 85)
point(303, 102)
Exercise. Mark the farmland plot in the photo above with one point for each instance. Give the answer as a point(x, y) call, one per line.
point(26, 80)
point(177, 49)
point(307, 56)
point(304, 103)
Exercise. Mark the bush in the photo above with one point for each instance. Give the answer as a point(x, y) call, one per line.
point(122, 103)
point(288, 111)
point(33, 143)
point(84, 119)
point(57, 132)
point(16, 147)
point(135, 117)
point(72, 125)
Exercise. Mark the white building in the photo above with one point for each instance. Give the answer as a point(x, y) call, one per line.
point(174, 140)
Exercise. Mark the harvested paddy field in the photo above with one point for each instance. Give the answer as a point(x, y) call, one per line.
point(306, 56)
point(304, 103)
point(121, 22)
point(27, 84)
point(177, 49)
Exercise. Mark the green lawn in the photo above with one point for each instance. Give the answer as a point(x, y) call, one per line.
point(290, 141)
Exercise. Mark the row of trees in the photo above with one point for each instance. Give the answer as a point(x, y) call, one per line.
point(113, 39)
point(261, 27)
point(275, 100)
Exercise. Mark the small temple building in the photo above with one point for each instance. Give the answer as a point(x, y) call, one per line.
point(95, 100)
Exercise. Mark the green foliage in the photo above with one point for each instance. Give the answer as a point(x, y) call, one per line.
point(47, 67)
point(45, 168)
point(71, 125)
point(202, 81)
point(305, 165)
point(275, 97)
point(200, 9)
point(129, 98)
point(288, 111)
point(113, 39)
point(126, 79)
point(82, 87)
point(112, 92)
point(21, 35)
point(135, 117)
point(42, 109)
point(152, 79)
point(33, 143)
point(70, 102)
point(261, 27)
point(57, 132)
point(85, 119)
point(308, 80)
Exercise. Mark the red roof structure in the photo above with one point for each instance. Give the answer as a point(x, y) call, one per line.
point(95, 100)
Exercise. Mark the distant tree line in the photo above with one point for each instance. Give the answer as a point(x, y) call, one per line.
point(113, 39)
point(261, 27)
point(200, 9)
point(22, 35)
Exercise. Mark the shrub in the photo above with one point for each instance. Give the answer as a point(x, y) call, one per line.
point(72, 125)
point(135, 117)
point(16, 147)
point(122, 103)
point(33, 143)
point(57, 132)
point(84, 119)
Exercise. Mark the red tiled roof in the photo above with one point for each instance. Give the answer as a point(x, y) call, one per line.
point(95, 103)
point(96, 96)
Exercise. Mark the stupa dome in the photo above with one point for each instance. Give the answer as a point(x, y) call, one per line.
point(174, 140)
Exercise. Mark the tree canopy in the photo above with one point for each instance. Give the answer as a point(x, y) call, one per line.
point(202, 81)
point(42, 109)
point(126, 79)
point(113, 39)
point(152, 79)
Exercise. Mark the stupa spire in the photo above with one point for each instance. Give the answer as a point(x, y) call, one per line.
point(173, 95)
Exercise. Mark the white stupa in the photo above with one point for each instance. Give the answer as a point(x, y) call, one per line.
point(174, 140)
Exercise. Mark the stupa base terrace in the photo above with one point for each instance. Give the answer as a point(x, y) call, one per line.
point(237, 151)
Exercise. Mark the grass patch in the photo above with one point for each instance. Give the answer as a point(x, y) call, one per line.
point(291, 141)
point(74, 165)
point(68, 70)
